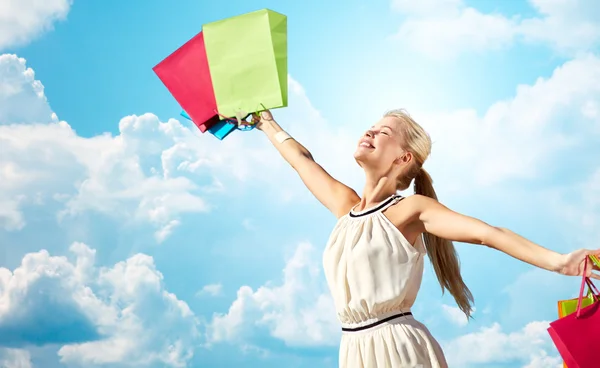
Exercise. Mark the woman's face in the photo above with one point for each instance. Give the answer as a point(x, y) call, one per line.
point(381, 146)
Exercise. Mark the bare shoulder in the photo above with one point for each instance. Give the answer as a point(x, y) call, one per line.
point(418, 202)
point(410, 208)
point(347, 198)
point(405, 216)
point(404, 210)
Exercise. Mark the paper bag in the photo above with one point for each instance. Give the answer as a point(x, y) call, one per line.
point(247, 56)
point(576, 335)
point(186, 75)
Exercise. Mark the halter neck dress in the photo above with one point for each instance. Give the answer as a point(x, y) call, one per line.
point(374, 275)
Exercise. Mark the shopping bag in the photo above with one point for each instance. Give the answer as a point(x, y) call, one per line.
point(186, 75)
point(569, 306)
point(595, 260)
point(220, 129)
point(247, 56)
point(576, 336)
point(566, 307)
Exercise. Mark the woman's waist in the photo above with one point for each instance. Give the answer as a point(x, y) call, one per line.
point(353, 322)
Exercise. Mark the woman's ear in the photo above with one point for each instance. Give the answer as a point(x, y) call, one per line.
point(405, 158)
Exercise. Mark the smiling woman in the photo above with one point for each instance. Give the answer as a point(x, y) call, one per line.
point(374, 258)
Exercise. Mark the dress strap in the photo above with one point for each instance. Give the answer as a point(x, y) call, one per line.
point(380, 207)
point(393, 200)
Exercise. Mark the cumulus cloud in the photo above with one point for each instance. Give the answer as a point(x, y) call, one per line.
point(51, 163)
point(130, 176)
point(24, 20)
point(100, 315)
point(526, 137)
point(530, 346)
point(21, 95)
point(445, 28)
point(151, 172)
point(298, 310)
point(36, 306)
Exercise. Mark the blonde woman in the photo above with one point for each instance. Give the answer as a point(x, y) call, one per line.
point(373, 260)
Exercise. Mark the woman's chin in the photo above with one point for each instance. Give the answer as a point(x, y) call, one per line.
point(358, 154)
point(363, 152)
point(361, 156)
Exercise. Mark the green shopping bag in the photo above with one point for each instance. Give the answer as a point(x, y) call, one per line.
point(566, 307)
point(247, 57)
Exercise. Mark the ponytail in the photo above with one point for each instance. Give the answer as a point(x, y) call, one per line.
point(442, 254)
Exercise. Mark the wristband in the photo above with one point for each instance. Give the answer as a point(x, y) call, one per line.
point(282, 137)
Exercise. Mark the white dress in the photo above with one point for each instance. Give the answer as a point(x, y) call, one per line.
point(374, 275)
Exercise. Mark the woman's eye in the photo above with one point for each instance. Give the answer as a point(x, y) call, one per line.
point(384, 133)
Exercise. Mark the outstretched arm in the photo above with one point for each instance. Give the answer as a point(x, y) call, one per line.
point(334, 195)
point(438, 220)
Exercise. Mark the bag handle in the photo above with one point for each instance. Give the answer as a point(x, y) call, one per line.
point(586, 280)
point(236, 120)
point(592, 288)
point(240, 119)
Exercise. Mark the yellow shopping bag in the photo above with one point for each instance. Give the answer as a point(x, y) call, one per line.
point(566, 307)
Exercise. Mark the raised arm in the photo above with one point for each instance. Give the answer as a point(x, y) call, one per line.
point(334, 195)
point(440, 221)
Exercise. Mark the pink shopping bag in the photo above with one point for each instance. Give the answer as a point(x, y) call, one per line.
point(566, 307)
point(577, 335)
point(186, 75)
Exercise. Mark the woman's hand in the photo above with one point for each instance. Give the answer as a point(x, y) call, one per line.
point(261, 119)
point(573, 263)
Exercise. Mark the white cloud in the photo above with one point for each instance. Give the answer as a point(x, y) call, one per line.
point(211, 289)
point(455, 315)
point(568, 26)
point(522, 138)
point(543, 360)
point(151, 172)
point(24, 20)
point(166, 230)
point(445, 28)
point(21, 95)
point(121, 314)
point(128, 176)
point(530, 346)
point(51, 163)
point(298, 311)
point(15, 358)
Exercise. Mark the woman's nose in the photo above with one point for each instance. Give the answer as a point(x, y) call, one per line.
point(370, 133)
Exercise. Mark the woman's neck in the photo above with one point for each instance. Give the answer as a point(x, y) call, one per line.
point(375, 191)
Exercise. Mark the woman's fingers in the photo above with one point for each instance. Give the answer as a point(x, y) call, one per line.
point(594, 276)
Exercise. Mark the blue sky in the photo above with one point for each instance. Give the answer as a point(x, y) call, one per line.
point(127, 238)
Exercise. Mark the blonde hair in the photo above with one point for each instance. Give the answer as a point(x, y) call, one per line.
point(441, 252)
